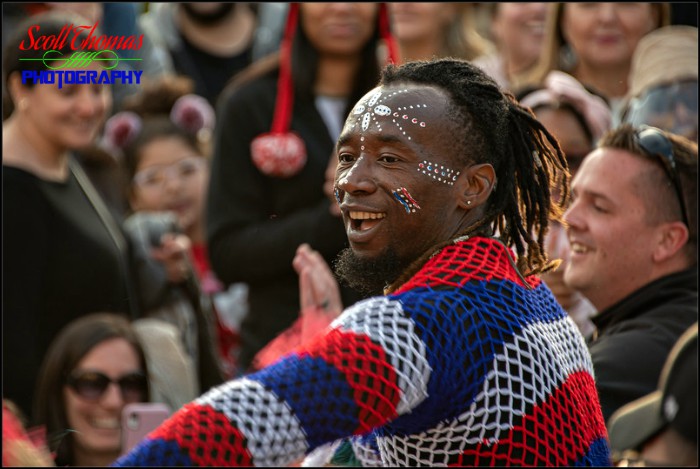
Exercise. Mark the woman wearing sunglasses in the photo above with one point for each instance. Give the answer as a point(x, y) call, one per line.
point(93, 368)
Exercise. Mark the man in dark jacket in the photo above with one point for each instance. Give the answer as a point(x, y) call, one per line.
point(633, 234)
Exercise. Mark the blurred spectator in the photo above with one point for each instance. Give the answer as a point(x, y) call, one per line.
point(632, 227)
point(66, 254)
point(424, 31)
point(594, 43)
point(63, 258)
point(166, 161)
point(661, 428)
point(577, 118)
point(114, 20)
point(121, 20)
point(517, 29)
point(210, 41)
point(663, 82)
point(276, 131)
point(93, 368)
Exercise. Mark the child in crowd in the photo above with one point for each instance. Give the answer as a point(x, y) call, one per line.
point(163, 138)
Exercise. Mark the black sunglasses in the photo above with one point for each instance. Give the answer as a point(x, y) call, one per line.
point(91, 385)
point(657, 145)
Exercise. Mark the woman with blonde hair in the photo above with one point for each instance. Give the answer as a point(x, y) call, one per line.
point(425, 30)
point(594, 42)
point(517, 30)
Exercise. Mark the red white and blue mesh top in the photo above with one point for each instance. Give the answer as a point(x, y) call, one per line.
point(468, 363)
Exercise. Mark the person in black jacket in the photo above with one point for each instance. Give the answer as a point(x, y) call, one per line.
point(65, 253)
point(632, 226)
point(262, 202)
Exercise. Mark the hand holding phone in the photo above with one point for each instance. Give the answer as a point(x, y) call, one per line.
point(139, 419)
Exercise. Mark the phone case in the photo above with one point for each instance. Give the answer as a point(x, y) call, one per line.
point(139, 419)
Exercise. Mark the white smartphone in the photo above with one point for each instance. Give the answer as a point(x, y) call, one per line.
point(139, 419)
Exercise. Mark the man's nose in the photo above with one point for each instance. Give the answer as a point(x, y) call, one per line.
point(358, 178)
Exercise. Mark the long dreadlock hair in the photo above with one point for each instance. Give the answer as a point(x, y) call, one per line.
point(526, 158)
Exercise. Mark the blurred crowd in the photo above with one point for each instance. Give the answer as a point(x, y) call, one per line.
point(151, 229)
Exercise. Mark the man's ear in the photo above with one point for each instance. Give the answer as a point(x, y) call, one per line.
point(672, 238)
point(475, 185)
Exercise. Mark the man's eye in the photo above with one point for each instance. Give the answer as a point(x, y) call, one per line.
point(389, 159)
point(346, 158)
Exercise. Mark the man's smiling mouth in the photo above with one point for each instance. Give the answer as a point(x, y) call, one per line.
point(363, 221)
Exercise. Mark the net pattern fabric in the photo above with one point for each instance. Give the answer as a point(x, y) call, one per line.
point(468, 363)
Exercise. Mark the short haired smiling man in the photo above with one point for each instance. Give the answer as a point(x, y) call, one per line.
point(634, 254)
point(466, 358)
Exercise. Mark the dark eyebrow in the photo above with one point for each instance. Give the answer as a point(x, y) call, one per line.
point(343, 139)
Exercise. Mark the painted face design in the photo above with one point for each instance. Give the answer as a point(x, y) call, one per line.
point(438, 172)
point(404, 197)
point(371, 110)
point(367, 113)
point(337, 195)
point(345, 179)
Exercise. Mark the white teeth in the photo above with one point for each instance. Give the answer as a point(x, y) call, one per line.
point(366, 215)
point(536, 26)
point(106, 423)
point(578, 248)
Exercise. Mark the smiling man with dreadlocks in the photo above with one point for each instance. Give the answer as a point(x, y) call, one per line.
point(466, 358)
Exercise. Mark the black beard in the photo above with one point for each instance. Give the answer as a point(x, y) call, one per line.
point(211, 18)
point(369, 276)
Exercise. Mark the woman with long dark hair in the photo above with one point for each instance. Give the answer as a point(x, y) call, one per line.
point(75, 400)
point(276, 128)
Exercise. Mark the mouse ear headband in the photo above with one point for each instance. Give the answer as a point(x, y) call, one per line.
point(120, 130)
point(191, 113)
point(194, 114)
point(281, 152)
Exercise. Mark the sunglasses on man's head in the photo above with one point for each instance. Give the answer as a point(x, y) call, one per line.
point(655, 144)
point(91, 385)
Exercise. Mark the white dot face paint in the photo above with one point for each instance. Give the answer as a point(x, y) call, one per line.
point(344, 180)
point(438, 172)
point(369, 111)
point(374, 112)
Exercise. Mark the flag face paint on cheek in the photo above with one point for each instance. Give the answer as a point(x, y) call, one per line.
point(337, 196)
point(404, 198)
